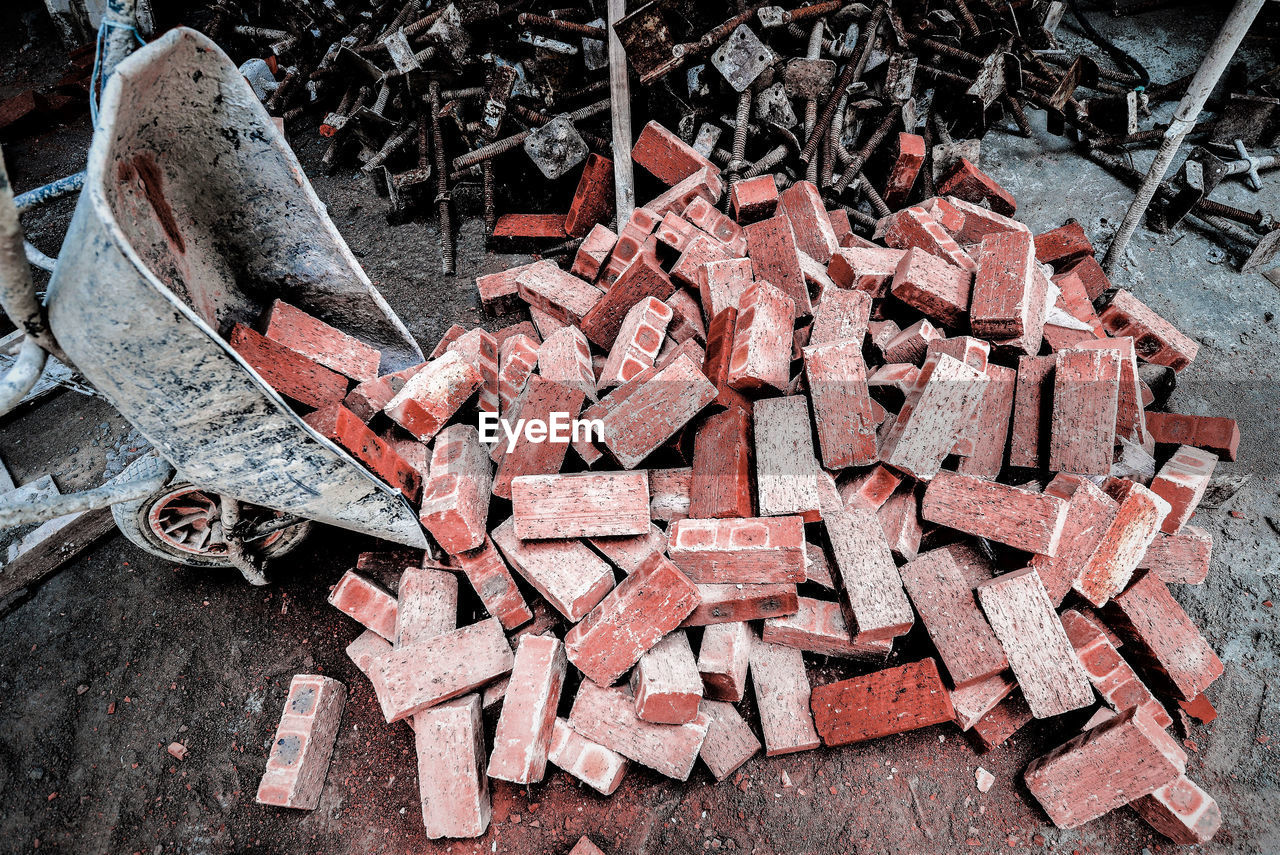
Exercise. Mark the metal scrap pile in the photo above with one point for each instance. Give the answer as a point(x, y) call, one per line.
point(821, 92)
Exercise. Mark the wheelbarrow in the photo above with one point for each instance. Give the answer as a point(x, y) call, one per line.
point(195, 215)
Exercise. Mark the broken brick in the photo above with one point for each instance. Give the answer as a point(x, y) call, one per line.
point(593, 199)
point(669, 493)
point(986, 436)
point(868, 269)
point(666, 683)
point(912, 343)
point(518, 359)
point(730, 741)
point(592, 253)
point(638, 342)
point(1181, 482)
point(565, 357)
point(338, 424)
point(968, 182)
point(1182, 557)
point(598, 767)
point(357, 597)
point(721, 284)
point(1003, 721)
point(630, 552)
point(493, 583)
point(905, 169)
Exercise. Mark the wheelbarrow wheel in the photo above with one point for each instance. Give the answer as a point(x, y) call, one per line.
point(182, 523)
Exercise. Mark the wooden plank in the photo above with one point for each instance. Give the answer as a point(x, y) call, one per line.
point(620, 108)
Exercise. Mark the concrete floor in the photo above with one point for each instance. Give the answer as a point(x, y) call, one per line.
point(121, 653)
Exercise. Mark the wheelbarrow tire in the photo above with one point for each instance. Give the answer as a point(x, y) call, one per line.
point(132, 520)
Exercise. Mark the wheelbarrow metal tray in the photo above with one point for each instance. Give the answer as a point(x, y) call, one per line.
point(195, 216)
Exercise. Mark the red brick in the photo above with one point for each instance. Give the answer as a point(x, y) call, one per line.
point(730, 741)
point(1155, 339)
point(562, 295)
point(737, 602)
point(312, 338)
point(720, 335)
point(1101, 769)
point(665, 156)
point(865, 269)
point(431, 397)
point(519, 227)
point(529, 711)
point(1041, 655)
point(288, 372)
point(841, 315)
point(1003, 721)
point(818, 626)
point(587, 504)
point(1032, 522)
point(974, 562)
point(455, 504)
point(539, 400)
point(971, 184)
point(593, 199)
point(544, 323)
point(1182, 557)
point(671, 351)
point(705, 184)
point(495, 586)
point(761, 353)
point(303, 744)
point(413, 678)
point(906, 167)
point(1090, 513)
point(367, 399)
point(984, 439)
point(754, 551)
point(775, 259)
point(642, 279)
point(802, 205)
point(357, 597)
point(571, 577)
point(452, 784)
point(638, 342)
point(654, 410)
point(669, 493)
point(1114, 679)
point(1211, 433)
point(912, 343)
point(837, 379)
point(593, 252)
point(721, 484)
point(666, 683)
point(498, 291)
point(1071, 307)
point(1167, 644)
point(338, 424)
point(647, 605)
point(1181, 482)
point(452, 334)
point(677, 233)
point(870, 489)
point(947, 607)
point(1091, 275)
point(590, 762)
point(970, 223)
point(891, 384)
point(1199, 708)
point(1001, 304)
point(946, 395)
point(1131, 423)
point(686, 321)
point(839, 218)
point(1136, 523)
point(871, 594)
point(938, 289)
point(786, 466)
point(367, 647)
point(702, 250)
point(1181, 811)
point(584, 846)
point(628, 553)
point(721, 284)
point(565, 357)
point(973, 701)
point(518, 359)
point(900, 518)
point(427, 605)
point(1063, 245)
point(973, 352)
point(723, 659)
point(782, 693)
point(912, 227)
point(1086, 390)
point(894, 700)
point(753, 199)
point(704, 215)
point(1031, 406)
point(481, 349)
point(608, 716)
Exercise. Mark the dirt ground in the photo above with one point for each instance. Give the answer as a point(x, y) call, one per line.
point(121, 653)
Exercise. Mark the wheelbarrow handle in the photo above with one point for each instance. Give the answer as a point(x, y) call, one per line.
point(135, 483)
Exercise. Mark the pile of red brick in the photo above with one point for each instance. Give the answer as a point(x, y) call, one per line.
point(984, 464)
